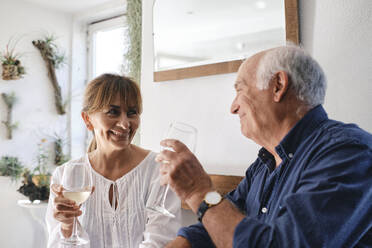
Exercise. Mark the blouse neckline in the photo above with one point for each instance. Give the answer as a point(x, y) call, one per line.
point(123, 176)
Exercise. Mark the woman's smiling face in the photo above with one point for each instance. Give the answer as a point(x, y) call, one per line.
point(115, 125)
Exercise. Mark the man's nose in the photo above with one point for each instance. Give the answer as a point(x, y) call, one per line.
point(234, 107)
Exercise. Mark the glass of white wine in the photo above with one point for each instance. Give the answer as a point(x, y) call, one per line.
point(77, 186)
point(186, 134)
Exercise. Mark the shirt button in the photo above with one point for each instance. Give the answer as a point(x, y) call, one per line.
point(290, 155)
point(264, 210)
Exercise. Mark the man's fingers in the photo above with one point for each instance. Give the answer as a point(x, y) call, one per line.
point(176, 145)
point(165, 156)
point(163, 180)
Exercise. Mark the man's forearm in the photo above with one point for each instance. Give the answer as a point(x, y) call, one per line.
point(220, 222)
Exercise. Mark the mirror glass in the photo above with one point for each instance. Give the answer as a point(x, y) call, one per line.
point(194, 32)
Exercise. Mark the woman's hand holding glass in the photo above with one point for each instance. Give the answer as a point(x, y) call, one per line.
point(65, 210)
point(77, 186)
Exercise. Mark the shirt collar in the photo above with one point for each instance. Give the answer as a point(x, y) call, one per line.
point(303, 128)
point(267, 159)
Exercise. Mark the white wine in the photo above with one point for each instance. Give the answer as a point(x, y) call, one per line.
point(79, 197)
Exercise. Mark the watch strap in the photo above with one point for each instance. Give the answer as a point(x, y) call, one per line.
point(203, 207)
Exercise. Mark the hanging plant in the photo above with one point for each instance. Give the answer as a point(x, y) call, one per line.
point(10, 61)
point(133, 55)
point(9, 100)
point(53, 60)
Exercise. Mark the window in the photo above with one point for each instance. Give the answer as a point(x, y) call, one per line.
point(108, 43)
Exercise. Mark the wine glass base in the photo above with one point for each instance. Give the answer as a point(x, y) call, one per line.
point(76, 241)
point(162, 211)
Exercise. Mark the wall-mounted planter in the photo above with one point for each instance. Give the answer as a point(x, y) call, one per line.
point(12, 72)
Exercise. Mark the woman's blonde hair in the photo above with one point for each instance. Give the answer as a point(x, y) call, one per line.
point(101, 91)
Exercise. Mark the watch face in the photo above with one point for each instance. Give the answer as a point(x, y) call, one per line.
point(213, 197)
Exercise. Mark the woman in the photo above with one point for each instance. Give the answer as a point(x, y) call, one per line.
point(115, 214)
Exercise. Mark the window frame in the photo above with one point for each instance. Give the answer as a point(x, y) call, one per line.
point(93, 28)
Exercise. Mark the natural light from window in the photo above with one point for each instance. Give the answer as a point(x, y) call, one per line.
point(109, 49)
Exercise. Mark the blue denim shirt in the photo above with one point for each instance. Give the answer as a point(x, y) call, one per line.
point(319, 196)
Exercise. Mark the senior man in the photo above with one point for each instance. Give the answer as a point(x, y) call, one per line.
point(311, 184)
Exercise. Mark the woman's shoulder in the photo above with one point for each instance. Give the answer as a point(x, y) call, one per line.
point(143, 154)
point(146, 158)
point(140, 151)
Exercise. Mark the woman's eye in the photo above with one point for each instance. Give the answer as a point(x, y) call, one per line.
point(113, 112)
point(131, 112)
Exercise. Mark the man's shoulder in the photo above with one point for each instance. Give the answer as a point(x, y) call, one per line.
point(336, 132)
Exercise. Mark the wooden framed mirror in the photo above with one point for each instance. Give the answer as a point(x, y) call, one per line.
point(270, 23)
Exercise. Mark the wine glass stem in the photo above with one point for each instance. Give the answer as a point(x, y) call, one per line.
point(74, 229)
point(165, 196)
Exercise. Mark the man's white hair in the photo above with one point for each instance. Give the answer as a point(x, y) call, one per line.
point(306, 77)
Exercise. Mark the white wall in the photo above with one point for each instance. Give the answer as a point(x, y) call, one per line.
point(35, 110)
point(336, 32)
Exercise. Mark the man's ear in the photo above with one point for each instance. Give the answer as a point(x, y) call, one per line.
point(86, 119)
point(280, 85)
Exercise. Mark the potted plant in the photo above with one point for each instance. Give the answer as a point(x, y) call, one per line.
point(35, 186)
point(36, 182)
point(10, 61)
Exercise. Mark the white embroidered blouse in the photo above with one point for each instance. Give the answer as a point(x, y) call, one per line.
point(130, 225)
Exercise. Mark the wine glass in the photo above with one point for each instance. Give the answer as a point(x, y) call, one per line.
point(77, 186)
point(187, 135)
